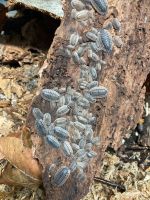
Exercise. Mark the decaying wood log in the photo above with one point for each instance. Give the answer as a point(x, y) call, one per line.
point(124, 76)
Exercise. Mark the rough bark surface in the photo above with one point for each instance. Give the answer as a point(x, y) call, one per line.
point(124, 76)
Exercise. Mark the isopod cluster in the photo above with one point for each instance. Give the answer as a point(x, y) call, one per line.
point(72, 131)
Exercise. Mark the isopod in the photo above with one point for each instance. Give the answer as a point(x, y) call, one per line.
point(75, 147)
point(106, 40)
point(73, 166)
point(89, 97)
point(98, 92)
point(78, 5)
point(67, 149)
point(116, 24)
point(76, 58)
point(53, 141)
point(37, 113)
point(40, 127)
point(82, 143)
point(61, 120)
point(117, 41)
point(91, 154)
point(83, 120)
point(61, 176)
point(82, 15)
point(50, 95)
point(101, 6)
point(79, 153)
point(93, 73)
point(92, 84)
point(91, 36)
point(74, 39)
point(61, 101)
point(47, 119)
point(83, 102)
point(79, 126)
point(61, 132)
point(63, 110)
point(82, 164)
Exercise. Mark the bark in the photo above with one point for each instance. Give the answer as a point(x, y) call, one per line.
point(124, 76)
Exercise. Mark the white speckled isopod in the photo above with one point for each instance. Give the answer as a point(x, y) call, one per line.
point(80, 152)
point(101, 6)
point(75, 147)
point(61, 101)
point(51, 140)
point(74, 39)
point(82, 15)
point(91, 36)
point(93, 73)
point(37, 113)
point(76, 59)
point(82, 119)
point(47, 119)
point(89, 98)
point(98, 92)
point(91, 154)
point(82, 143)
point(61, 132)
point(50, 95)
point(92, 84)
point(63, 110)
point(40, 127)
point(116, 24)
point(78, 5)
point(117, 41)
point(61, 176)
point(73, 166)
point(83, 102)
point(106, 40)
point(79, 126)
point(67, 149)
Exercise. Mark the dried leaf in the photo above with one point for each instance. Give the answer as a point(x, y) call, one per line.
point(13, 176)
point(20, 156)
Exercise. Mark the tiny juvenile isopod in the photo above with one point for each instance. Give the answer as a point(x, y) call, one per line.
point(50, 95)
point(91, 154)
point(61, 176)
